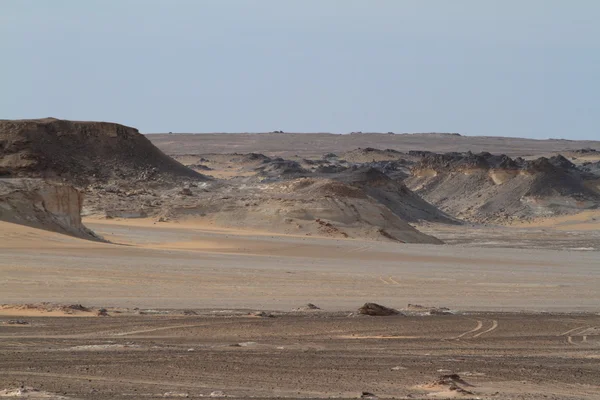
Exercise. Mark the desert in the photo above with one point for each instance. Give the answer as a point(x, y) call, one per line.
point(299, 200)
point(370, 265)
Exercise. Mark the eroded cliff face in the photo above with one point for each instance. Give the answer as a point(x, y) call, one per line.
point(63, 203)
point(41, 205)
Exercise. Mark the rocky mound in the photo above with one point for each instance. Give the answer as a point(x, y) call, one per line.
point(370, 154)
point(393, 194)
point(303, 206)
point(330, 169)
point(40, 205)
point(279, 167)
point(591, 167)
point(83, 152)
point(251, 157)
point(587, 150)
point(484, 187)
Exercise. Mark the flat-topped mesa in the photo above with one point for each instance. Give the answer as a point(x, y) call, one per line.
point(83, 152)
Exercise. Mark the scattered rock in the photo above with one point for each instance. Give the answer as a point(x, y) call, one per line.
point(30, 393)
point(368, 396)
point(440, 311)
point(377, 310)
point(587, 150)
point(17, 322)
point(307, 307)
point(246, 344)
point(176, 394)
point(102, 312)
point(201, 167)
point(78, 307)
point(261, 314)
point(451, 379)
point(428, 310)
point(217, 393)
point(448, 386)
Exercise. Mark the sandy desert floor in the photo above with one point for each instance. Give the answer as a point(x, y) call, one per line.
point(316, 144)
point(525, 322)
point(304, 355)
point(174, 265)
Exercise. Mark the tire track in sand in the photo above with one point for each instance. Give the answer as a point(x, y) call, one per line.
point(572, 330)
point(389, 281)
point(476, 332)
point(360, 249)
point(105, 379)
point(161, 383)
point(494, 326)
point(581, 331)
point(478, 327)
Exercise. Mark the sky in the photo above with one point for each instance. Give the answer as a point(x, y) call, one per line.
point(528, 68)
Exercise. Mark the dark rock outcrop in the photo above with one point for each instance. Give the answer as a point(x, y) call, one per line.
point(377, 310)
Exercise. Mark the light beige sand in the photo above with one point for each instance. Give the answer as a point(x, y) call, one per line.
point(15, 311)
point(177, 265)
point(583, 221)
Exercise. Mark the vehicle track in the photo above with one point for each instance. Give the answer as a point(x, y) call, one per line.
point(389, 281)
point(476, 332)
point(478, 327)
point(582, 331)
point(494, 327)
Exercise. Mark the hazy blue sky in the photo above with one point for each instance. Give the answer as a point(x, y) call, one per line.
point(479, 67)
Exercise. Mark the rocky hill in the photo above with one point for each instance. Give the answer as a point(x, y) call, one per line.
point(485, 187)
point(83, 152)
point(45, 164)
point(393, 194)
point(299, 206)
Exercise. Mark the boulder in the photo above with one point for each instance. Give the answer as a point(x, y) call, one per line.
point(377, 310)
